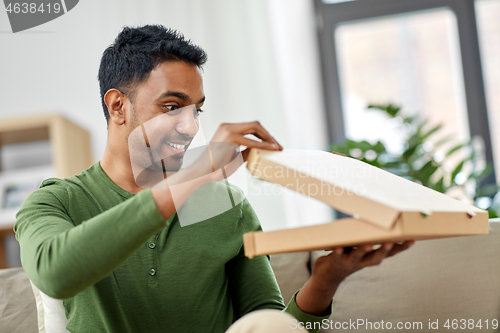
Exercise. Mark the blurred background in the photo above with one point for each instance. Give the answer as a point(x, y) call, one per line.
point(306, 69)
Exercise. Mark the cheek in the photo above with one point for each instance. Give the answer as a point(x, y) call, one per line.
point(141, 112)
point(138, 151)
point(159, 129)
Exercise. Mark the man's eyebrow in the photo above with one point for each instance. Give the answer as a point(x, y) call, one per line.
point(180, 95)
point(177, 94)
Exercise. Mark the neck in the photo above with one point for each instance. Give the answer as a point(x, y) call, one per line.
point(116, 164)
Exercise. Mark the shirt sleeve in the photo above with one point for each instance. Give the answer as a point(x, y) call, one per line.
point(311, 322)
point(62, 259)
point(253, 285)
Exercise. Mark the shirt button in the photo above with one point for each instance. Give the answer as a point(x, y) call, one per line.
point(152, 272)
point(152, 245)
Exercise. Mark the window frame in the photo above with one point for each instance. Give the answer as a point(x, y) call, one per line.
point(330, 16)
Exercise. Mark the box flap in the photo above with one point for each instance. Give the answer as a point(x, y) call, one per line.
point(351, 186)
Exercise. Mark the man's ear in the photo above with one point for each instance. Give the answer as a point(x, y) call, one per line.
point(115, 101)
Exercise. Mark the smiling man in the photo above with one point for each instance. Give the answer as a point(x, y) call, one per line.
point(108, 242)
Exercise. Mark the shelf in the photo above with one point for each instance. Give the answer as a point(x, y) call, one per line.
point(71, 154)
point(71, 150)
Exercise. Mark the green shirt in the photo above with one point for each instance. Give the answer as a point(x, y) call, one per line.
point(120, 267)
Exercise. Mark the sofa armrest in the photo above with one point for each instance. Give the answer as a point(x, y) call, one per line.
point(17, 302)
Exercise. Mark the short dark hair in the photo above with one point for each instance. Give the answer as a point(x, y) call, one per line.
point(136, 51)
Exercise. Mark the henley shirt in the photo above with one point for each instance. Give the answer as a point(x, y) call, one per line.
point(119, 266)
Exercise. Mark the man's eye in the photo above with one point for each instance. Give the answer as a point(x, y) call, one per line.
point(171, 107)
point(174, 110)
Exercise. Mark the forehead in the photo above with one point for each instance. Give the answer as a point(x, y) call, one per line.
point(176, 76)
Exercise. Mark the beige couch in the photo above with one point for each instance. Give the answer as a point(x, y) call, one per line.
point(441, 280)
point(434, 282)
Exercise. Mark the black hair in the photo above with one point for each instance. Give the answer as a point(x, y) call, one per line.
point(136, 51)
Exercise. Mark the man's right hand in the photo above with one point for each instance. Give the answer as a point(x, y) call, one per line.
point(235, 133)
point(218, 161)
point(221, 155)
point(226, 141)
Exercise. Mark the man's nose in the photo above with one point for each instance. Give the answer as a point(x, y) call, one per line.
point(187, 122)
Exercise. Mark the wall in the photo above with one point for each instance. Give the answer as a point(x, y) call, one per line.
point(262, 66)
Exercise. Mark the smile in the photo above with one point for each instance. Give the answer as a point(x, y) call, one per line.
point(176, 146)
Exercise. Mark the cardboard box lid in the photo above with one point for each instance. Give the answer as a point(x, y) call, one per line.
point(360, 189)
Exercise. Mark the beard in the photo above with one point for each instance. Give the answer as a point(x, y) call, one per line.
point(150, 154)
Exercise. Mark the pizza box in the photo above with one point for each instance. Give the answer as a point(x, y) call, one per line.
point(384, 207)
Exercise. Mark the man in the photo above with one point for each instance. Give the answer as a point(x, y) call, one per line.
point(108, 242)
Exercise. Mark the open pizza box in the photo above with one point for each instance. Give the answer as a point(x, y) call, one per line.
point(384, 207)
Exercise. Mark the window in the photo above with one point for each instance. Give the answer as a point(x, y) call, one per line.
point(423, 55)
point(488, 22)
point(409, 60)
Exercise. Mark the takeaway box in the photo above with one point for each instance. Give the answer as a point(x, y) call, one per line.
point(383, 206)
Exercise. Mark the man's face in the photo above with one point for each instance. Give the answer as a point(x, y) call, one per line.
point(164, 114)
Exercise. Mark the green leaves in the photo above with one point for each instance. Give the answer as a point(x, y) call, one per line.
point(390, 109)
point(430, 132)
point(455, 172)
point(425, 161)
point(424, 174)
point(439, 185)
point(455, 149)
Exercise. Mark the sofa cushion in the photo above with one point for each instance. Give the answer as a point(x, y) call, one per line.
point(436, 280)
point(51, 314)
point(17, 302)
point(292, 271)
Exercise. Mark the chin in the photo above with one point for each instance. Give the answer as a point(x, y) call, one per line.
point(173, 165)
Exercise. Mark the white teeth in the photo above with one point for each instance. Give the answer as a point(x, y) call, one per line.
point(176, 146)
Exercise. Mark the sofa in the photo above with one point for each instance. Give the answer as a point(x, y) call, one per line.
point(446, 284)
point(437, 283)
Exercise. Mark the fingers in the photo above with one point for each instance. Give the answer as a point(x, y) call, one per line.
point(355, 256)
point(337, 253)
point(348, 263)
point(348, 249)
point(387, 250)
point(249, 143)
point(254, 128)
point(236, 133)
point(376, 257)
point(263, 138)
point(400, 247)
point(340, 263)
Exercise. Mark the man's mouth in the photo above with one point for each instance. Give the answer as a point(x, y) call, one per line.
point(177, 146)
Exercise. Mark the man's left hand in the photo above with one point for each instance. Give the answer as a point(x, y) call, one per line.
point(330, 270)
